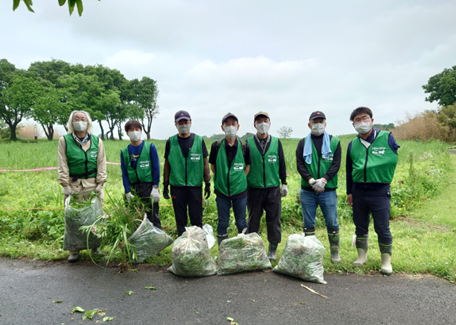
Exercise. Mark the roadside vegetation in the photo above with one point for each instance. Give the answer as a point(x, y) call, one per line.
point(422, 208)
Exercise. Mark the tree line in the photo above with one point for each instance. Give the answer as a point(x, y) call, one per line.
point(48, 91)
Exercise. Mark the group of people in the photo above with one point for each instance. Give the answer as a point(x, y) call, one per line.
point(248, 175)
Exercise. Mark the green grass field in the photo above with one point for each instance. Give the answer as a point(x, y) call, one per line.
point(423, 227)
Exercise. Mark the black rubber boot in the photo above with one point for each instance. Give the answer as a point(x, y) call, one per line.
point(309, 231)
point(272, 253)
point(334, 246)
point(221, 238)
point(362, 245)
point(386, 251)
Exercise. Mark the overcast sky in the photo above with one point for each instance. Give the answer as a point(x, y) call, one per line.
point(288, 58)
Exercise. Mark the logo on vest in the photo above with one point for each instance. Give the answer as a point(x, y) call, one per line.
point(272, 159)
point(195, 157)
point(330, 157)
point(379, 151)
point(238, 166)
point(93, 154)
point(143, 164)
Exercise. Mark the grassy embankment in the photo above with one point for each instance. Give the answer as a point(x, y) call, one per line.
point(422, 224)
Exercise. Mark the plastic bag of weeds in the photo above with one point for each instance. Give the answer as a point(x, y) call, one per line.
point(303, 258)
point(76, 216)
point(242, 253)
point(148, 240)
point(191, 255)
point(209, 235)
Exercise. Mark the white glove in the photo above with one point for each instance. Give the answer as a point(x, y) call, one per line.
point(155, 195)
point(129, 196)
point(312, 181)
point(99, 189)
point(67, 190)
point(319, 185)
point(284, 190)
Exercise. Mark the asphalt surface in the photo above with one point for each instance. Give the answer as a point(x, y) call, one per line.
point(29, 291)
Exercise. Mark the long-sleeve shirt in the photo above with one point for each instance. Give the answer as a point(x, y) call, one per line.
point(134, 153)
point(301, 166)
point(349, 162)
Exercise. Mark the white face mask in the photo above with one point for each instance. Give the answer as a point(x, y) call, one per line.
point(263, 127)
point(318, 128)
point(363, 127)
point(183, 129)
point(134, 135)
point(230, 131)
point(80, 126)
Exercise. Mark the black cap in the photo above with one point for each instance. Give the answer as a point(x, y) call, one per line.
point(229, 115)
point(182, 115)
point(317, 114)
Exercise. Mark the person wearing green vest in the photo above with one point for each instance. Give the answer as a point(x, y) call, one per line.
point(185, 169)
point(371, 161)
point(140, 167)
point(230, 162)
point(318, 159)
point(82, 163)
point(267, 181)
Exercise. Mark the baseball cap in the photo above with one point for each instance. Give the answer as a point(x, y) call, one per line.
point(317, 114)
point(261, 114)
point(229, 115)
point(182, 115)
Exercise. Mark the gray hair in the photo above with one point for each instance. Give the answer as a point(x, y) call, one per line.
point(70, 122)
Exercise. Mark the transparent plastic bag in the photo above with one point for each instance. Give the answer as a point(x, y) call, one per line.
point(148, 240)
point(191, 255)
point(74, 238)
point(303, 258)
point(242, 253)
point(209, 235)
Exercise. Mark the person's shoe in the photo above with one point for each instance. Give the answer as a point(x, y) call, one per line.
point(73, 257)
point(272, 253)
point(334, 247)
point(386, 251)
point(309, 231)
point(221, 238)
point(362, 244)
point(97, 251)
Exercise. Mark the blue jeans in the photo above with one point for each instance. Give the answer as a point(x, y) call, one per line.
point(328, 204)
point(223, 209)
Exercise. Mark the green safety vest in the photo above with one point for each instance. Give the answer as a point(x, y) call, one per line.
point(375, 164)
point(186, 171)
point(320, 166)
point(143, 171)
point(230, 179)
point(264, 171)
point(82, 164)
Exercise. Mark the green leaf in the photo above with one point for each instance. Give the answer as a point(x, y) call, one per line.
point(16, 4)
point(230, 319)
point(77, 309)
point(101, 314)
point(71, 4)
point(61, 2)
point(150, 288)
point(57, 301)
point(107, 319)
point(89, 314)
point(79, 3)
point(265, 281)
point(129, 292)
point(29, 5)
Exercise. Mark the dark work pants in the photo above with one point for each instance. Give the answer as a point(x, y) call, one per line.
point(269, 200)
point(143, 190)
point(377, 202)
point(193, 198)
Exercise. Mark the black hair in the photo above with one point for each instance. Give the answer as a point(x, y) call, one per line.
point(133, 123)
point(360, 110)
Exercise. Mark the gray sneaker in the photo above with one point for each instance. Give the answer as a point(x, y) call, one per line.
point(73, 258)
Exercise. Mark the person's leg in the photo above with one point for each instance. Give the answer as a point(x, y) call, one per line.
point(272, 202)
point(223, 211)
point(255, 208)
point(195, 205)
point(309, 209)
point(179, 198)
point(239, 207)
point(361, 218)
point(328, 205)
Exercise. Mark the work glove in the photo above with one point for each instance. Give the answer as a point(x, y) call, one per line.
point(155, 195)
point(284, 190)
point(319, 185)
point(99, 189)
point(67, 191)
point(207, 190)
point(166, 192)
point(312, 181)
point(129, 196)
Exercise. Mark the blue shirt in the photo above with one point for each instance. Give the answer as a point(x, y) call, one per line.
point(134, 155)
point(349, 162)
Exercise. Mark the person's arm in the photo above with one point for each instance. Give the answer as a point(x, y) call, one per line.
point(392, 143)
point(207, 172)
point(166, 172)
point(213, 156)
point(300, 163)
point(101, 164)
point(247, 169)
point(64, 170)
point(155, 165)
point(282, 165)
point(125, 180)
point(335, 165)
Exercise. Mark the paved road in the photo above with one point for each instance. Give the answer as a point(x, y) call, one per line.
point(28, 289)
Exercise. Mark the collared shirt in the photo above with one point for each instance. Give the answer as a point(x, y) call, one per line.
point(81, 141)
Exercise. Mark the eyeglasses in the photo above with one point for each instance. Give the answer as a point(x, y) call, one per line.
point(83, 119)
point(362, 119)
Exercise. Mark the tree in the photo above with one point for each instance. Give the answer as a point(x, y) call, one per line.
point(285, 132)
point(47, 108)
point(71, 5)
point(442, 87)
point(145, 93)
